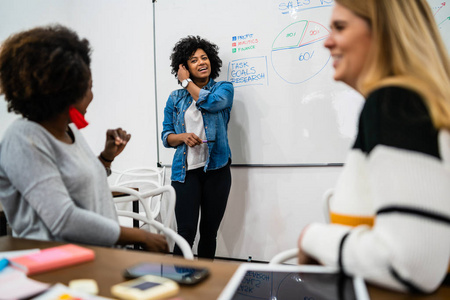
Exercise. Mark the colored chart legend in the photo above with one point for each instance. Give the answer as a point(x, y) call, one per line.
point(243, 43)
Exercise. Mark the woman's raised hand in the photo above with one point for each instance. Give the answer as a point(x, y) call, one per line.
point(183, 73)
point(116, 140)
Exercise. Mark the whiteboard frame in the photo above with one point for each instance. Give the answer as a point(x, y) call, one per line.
point(238, 159)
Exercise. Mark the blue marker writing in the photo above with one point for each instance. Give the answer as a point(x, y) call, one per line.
point(3, 263)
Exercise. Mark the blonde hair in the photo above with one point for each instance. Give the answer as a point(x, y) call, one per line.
point(407, 51)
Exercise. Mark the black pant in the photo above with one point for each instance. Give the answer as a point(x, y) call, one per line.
point(206, 192)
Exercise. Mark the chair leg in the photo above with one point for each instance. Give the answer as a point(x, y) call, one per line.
point(3, 224)
point(136, 222)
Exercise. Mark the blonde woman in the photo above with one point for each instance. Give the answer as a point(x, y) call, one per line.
point(390, 212)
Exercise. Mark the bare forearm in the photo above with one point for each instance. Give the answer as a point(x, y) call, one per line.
point(190, 139)
point(194, 90)
point(130, 236)
point(175, 139)
point(149, 241)
point(106, 162)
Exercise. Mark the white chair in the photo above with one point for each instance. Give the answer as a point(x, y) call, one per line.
point(284, 256)
point(146, 173)
point(293, 253)
point(145, 179)
point(148, 217)
point(326, 199)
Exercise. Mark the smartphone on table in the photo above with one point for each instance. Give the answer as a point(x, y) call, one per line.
point(179, 273)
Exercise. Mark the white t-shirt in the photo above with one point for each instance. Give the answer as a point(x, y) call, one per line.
point(197, 155)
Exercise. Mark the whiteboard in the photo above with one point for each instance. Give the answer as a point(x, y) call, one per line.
point(441, 12)
point(288, 110)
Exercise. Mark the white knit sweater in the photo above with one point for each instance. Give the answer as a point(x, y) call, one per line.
point(399, 174)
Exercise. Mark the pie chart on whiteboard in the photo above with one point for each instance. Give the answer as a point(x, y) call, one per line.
point(298, 53)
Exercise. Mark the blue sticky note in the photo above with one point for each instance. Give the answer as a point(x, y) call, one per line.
point(3, 263)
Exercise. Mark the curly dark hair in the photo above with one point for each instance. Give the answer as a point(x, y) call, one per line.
point(187, 46)
point(43, 71)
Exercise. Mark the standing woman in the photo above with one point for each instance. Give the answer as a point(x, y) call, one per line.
point(390, 212)
point(195, 123)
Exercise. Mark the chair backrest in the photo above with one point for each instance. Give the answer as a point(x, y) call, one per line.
point(284, 256)
point(145, 179)
point(148, 218)
point(143, 173)
point(145, 199)
point(326, 199)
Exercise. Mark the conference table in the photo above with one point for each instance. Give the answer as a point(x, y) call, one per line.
point(109, 263)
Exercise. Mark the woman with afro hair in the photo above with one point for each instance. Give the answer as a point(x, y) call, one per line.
point(195, 124)
point(52, 187)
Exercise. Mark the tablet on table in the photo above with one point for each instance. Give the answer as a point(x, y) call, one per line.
point(285, 282)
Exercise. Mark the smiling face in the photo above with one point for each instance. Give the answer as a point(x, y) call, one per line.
point(349, 44)
point(199, 65)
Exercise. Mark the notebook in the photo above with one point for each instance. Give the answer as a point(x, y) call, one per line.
point(52, 258)
point(286, 282)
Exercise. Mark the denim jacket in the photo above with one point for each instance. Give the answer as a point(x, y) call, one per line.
point(215, 102)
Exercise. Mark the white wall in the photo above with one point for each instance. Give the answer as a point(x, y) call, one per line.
point(267, 207)
point(20, 15)
point(120, 33)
